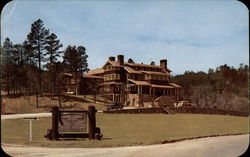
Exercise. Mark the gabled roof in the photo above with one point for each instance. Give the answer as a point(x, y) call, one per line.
point(114, 63)
point(84, 75)
point(161, 86)
point(96, 71)
point(154, 72)
point(174, 85)
point(145, 83)
point(68, 74)
point(143, 65)
point(91, 76)
point(142, 83)
point(168, 70)
point(146, 65)
point(131, 70)
point(113, 82)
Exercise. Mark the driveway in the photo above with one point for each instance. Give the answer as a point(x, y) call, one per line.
point(25, 115)
point(224, 146)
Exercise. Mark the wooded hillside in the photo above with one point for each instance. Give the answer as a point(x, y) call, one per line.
point(224, 87)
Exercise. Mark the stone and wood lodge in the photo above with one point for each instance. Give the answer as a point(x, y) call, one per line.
point(130, 84)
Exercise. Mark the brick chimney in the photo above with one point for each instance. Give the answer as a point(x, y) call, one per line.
point(120, 59)
point(111, 58)
point(163, 63)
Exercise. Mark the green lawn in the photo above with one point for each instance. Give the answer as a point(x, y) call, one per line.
point(131, 129)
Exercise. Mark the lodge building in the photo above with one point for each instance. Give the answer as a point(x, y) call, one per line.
point(130, 84)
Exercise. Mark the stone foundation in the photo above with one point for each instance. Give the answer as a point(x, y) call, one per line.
point(149, 100)
point(165, 100)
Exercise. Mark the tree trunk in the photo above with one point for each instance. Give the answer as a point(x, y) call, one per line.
point(59, 100)
point(51, 89)
point(94, 98)
point(59, 96)
point(76, 85)
point(37, 105)
point(8, 80)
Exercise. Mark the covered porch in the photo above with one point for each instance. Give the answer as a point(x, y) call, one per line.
point(143, 87)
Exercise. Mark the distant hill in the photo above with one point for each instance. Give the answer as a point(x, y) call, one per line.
point(224, 87)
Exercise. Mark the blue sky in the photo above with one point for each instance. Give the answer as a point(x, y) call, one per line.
point(192, 35)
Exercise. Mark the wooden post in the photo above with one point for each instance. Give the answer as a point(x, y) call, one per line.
point(30, 130)
point(55, 112)
point(92, 122)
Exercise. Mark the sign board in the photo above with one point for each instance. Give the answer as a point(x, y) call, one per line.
point(31, 118)
point(72, 121)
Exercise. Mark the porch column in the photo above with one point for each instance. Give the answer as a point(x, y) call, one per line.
point(164, 91)
point(138, 89)
point(150, 90)
point(154, 91)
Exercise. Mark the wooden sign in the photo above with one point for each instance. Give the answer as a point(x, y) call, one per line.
point(72, 121)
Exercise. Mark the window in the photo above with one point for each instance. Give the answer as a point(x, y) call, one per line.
point(153, 77)
point(133, 88)
point(131, 76)
point(161, 77)
point(73, 80)
point(138, 77)
point(128, 87)
point(117, 88)
point(117, 76)
point(108, 68)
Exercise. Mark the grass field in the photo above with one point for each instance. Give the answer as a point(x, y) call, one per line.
point(27, 104)
point(130, 129)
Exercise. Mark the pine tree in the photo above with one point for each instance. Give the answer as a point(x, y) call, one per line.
point(58, 78)
point(75, 60)
point(28, 54)
point(7, 63)
point(152, 63)
point(36, 38)
point(130, 60)
point(52, 47)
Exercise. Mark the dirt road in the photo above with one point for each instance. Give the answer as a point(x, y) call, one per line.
point(224, 146)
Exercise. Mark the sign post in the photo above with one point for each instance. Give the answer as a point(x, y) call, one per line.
point(92, 121)
point(74, 124)
point(30, 119)
point(55, 114)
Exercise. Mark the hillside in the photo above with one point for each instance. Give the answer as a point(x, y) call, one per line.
point(225, 87)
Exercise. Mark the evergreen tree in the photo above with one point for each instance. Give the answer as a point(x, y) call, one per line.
point(58, 78)
point(28, 54)
point(6, 64)
point(52, 47)
point(152, 63)
point(36, 38)
point(75, 60)
point(130, 60)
